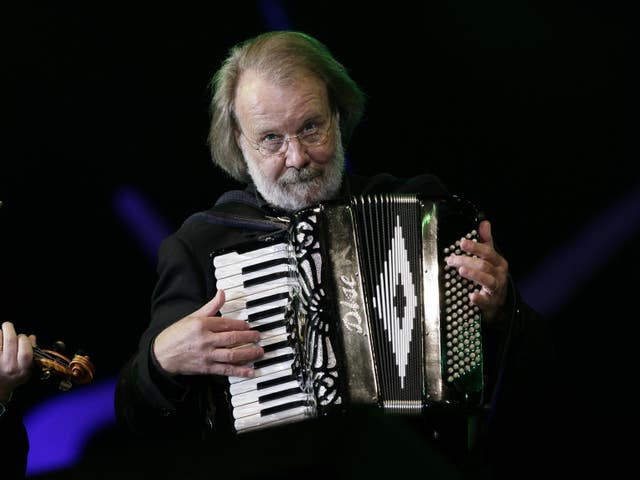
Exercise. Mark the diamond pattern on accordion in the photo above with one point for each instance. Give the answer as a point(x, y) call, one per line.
point(463, 342)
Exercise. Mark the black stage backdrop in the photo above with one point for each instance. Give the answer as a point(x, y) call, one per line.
point(523, 107)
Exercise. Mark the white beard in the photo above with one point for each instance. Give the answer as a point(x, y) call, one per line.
point(297, 189)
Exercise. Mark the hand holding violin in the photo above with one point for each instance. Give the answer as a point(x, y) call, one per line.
point(16, 359)
point(19, 353)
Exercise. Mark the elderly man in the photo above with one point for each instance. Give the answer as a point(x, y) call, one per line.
point(283, 110)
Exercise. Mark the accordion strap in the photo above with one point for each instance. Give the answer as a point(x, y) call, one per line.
point(238, 196)
point(238, 209)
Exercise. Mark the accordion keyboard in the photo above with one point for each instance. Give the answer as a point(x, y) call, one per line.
point(259, 286)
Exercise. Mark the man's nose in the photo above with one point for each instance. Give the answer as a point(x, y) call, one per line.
point(296, 154)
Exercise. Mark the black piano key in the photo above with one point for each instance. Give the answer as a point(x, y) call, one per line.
point(276, 346)
point(269, 326)
point(283, 407)
point(266, 313)
point(264, 279)
point(280, 394)
point(268, 299)
point(274, 360)
point(275, 381)
point(264, 265)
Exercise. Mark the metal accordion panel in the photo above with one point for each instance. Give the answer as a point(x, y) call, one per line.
point(355, 305)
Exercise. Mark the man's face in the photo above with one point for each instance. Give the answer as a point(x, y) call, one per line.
point(302, 175)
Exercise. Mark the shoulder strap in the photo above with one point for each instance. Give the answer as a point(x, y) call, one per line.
point(237, 209)
point(238, 196)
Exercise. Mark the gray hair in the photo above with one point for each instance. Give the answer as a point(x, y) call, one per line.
point(283, 55)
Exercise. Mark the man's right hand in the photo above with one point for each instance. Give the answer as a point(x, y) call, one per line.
point(202, 343)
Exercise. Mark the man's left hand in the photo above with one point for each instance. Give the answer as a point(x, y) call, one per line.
point(487, 268)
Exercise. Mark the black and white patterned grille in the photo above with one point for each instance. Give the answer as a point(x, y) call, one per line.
point(388, 228)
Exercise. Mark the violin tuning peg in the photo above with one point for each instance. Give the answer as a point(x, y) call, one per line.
point(59, 347)
point(46, 375)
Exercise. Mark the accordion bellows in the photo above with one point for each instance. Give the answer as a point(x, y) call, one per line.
point(355, 305)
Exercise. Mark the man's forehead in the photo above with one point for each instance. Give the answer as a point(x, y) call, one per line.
point(261, 97)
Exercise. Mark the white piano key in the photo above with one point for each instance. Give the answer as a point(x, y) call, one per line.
point(234, 257)
point(272, 318)
point(252, 395)
point(256, 407)
point(259, 372)
point(286, 416)
point(249, 384)
point(238, 280)
point(240, 291)
point(236, 268)
point(275, 339)
point(266, 321)
point(231, 306)
point(244, 313)
point(272, 333)
point(280, 352)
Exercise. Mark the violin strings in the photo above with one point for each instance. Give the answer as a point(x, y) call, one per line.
point(42, 354)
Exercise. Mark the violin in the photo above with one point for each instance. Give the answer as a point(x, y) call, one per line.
point(78, 370)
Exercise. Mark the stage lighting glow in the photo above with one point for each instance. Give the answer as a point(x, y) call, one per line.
point(59, 428)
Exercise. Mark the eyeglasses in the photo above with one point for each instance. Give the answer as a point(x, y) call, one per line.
point(312, 135)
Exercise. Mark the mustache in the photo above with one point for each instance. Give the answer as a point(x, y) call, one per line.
point(305, 174)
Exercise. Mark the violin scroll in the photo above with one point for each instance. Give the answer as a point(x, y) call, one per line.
point(78, 370)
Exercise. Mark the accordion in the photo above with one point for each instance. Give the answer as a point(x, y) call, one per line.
point(356, 305)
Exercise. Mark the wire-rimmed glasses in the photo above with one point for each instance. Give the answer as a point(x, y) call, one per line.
point(313, 134)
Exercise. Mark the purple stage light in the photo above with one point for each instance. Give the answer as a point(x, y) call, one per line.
point(59, 428)
point(561, 275)
point(142, 220)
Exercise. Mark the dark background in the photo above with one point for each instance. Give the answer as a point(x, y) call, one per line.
point(523, 107)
